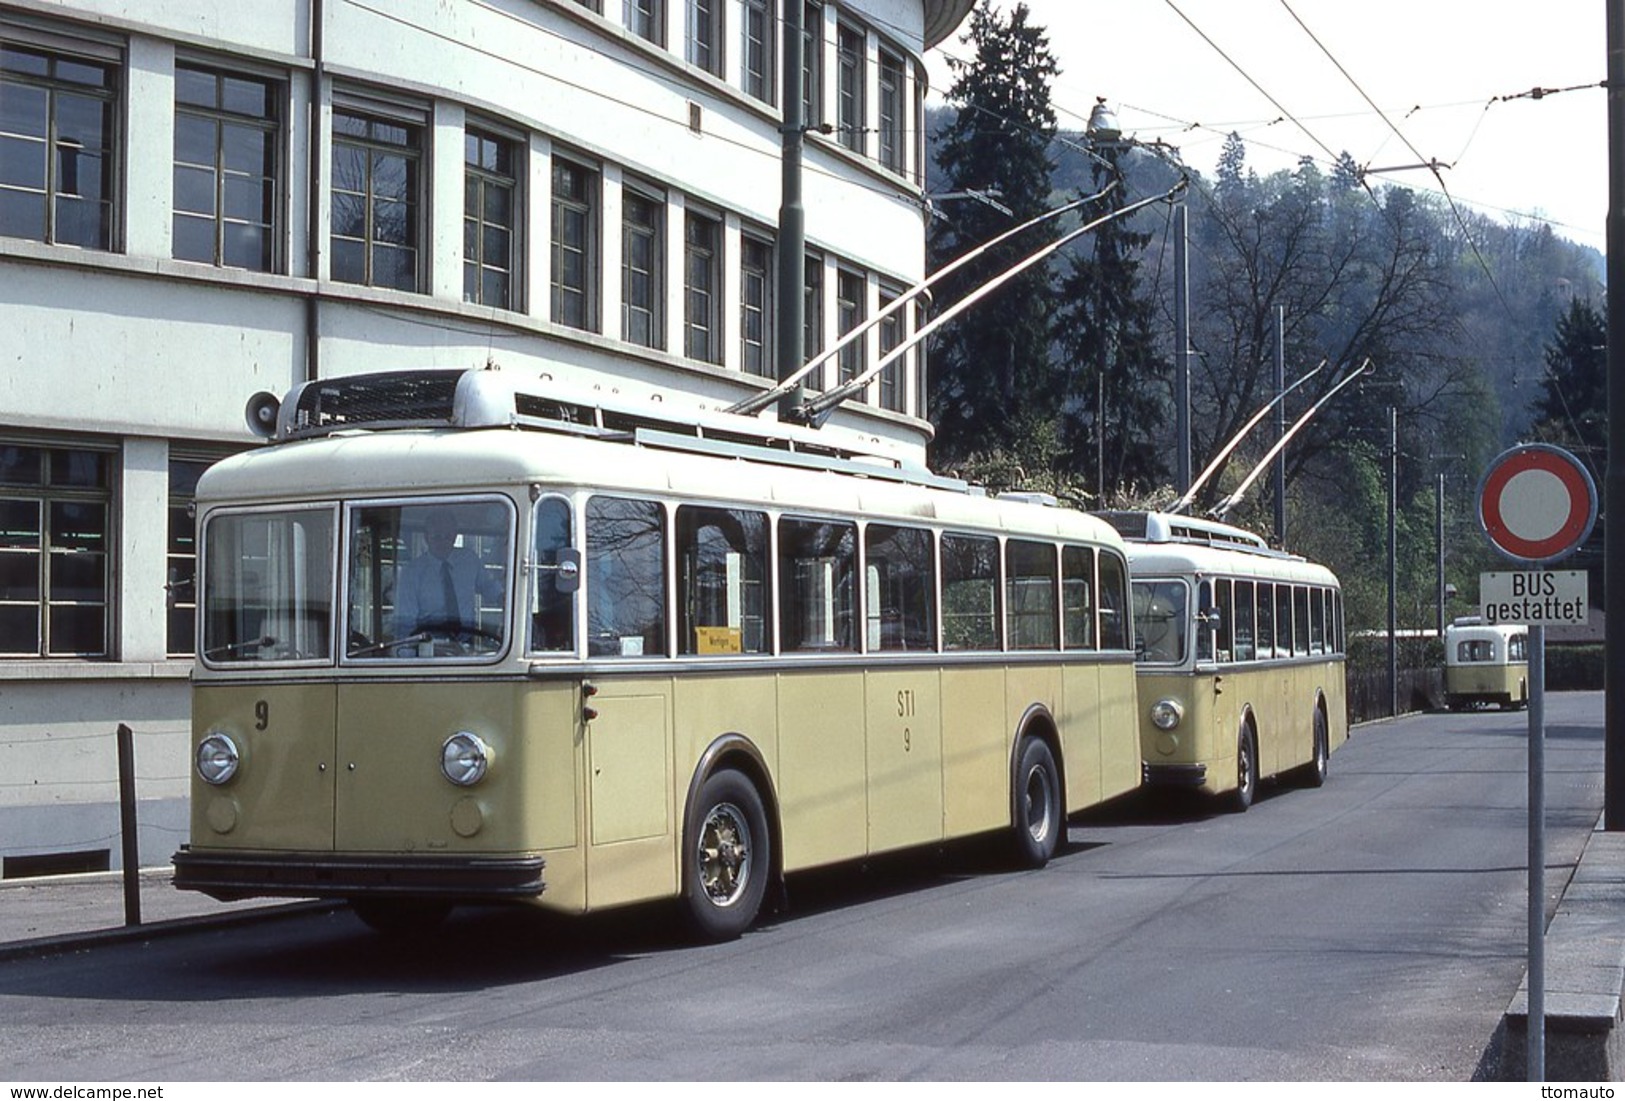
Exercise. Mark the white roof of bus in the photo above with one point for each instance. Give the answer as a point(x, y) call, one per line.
point(406, 462)
point(1166, 555)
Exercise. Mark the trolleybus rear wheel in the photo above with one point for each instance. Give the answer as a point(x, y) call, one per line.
point(1038, 818)
point(1246, 770)
point(1313, 774)
point(727, 852)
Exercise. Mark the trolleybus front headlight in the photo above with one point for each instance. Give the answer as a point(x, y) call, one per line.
point(465, 758)
point(1165, 714)
point(217, 758)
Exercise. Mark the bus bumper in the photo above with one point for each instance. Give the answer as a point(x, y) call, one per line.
point(229, 876)
point(1176, 776)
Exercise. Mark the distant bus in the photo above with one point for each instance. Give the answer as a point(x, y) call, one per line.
point(470, 638)
point(1240, 657)
point(1485, 664)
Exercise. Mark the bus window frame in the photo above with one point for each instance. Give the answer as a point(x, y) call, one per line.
point(511, 574)
point(337, 585)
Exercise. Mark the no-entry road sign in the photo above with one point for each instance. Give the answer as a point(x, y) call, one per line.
point(1537, 503)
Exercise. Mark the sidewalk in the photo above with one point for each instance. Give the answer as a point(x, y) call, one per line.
point(61, 913)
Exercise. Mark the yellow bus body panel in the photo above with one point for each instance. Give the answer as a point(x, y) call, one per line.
point(823, 752)
point(1280, 701)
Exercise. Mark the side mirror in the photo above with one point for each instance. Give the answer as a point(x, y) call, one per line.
point(568, 577)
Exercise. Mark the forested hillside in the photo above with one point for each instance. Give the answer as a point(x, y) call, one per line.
point(1064, 382)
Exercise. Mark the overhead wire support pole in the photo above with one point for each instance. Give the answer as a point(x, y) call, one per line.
point(1222, 509)
point(820, 406)
point(1241, 433)
point(757, 402)
point(1614, 480)
point(1280, 425)
point(792, 243)
point(1182, 347)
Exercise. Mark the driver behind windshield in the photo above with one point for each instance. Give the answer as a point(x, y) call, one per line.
point(438, 590)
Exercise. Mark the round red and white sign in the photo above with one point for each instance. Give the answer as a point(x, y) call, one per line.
point(1537, 503)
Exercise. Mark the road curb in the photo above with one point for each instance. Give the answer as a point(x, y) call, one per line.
point(123, 934)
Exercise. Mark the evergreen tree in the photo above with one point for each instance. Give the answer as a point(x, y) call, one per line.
point(993, 380)
point(1572, 410)
point(1118, 395)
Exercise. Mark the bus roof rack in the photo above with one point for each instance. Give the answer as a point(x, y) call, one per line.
point(475, 398)
point(1166, 527)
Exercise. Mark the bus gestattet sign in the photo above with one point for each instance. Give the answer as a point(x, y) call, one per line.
point(1537, 503)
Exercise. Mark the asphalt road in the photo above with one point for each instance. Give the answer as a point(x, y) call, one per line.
point(1370, 930)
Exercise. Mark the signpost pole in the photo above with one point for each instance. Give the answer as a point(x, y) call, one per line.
point(1537, 503)
point(1536, 1038)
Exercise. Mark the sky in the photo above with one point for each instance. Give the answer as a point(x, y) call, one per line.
point(1392, 82)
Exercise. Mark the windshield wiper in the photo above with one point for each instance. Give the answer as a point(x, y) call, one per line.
point(388, 644)
point(231, 648)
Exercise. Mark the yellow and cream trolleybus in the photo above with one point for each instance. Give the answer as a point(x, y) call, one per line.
point(1485, 663)
point(468, 637)
point(1241, 658)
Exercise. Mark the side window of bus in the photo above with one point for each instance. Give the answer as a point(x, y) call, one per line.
point(552, 597)
point(1243, 632)
point(1339, 640)
point(1029, 594)
point(1300, 620)
point(1227, 621)
point(1518, 648)
point(900, 588)
point(970, 593)
point(721, 581)
point(1318, 599)
point(1286, 625)
point(817, 590)
point(626, 578)
point(1266, 622)
point(1114, 605)
point(1077, 598)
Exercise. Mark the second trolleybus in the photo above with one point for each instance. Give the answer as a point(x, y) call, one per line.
point(1485, 663)
point(466, 637)
point(1241, 657)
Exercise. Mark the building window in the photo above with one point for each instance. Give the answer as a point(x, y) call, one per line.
point(705, 35)
point(642, 269)
point(702, 280)
point(812, 317)
point(919, 125)
point(227, 136)
point(377, 199)
point(181, 556)
point(849, 47)
point(812, 65)
point(56, 147)
point(892, 101)
point(646, 19)
point(891, 336)
point(490, 190)
point(756, 305)
point(575, 245)
point(758, 49)
point(55, 519)
point(849, 299)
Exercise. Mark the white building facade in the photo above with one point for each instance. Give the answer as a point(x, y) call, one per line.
point(199, 201)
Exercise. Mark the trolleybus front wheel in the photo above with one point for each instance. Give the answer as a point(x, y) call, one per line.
point(1039, 822)
point(727, 856)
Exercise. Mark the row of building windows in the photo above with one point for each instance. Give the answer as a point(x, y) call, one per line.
point(707, 44)
point(57, 143)
point(56, 551)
